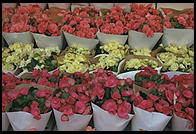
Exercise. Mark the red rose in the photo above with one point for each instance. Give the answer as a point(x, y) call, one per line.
point(167, 110)
point(111, 82)
point(127, 92)
point(35, 72)
point(80, 107)
point(158, 107)
point(190, 111)
point(56, 102)
point(181, 114)
point(116, 95)
point(123, 110)
point(178, 107)
point(169, 95)
point(153, 97)
point(56, 73)
point(64, 118)
point(187, 93)
point(78, 74)
point(68, 110)
point(110, 106)
point(70, 100)
point(83, 98)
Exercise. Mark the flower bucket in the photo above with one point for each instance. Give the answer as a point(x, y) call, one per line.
point(81, 42)
point(178, 36)
point(105, 38)
point(76, 122)
point(44, 41)
point(104, 121)
point(148, 121)
point(60, 5)
point(23, 121)
point(25, 37)
point(180, 124)
point(5, 122)
point(139, 40)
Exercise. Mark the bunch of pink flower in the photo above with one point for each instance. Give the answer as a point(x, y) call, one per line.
point(184, 106)
point(7, 13)
point(113, 22)
point(9, 82)
point(86, 12)
point(160, 96)
point(112, 94)
point(144, 19)
point(72, 96)
point(81, 27)
point(183, 21)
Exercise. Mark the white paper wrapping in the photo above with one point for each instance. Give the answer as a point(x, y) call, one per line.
point(171, 74)
point(139, 40)
point(81, 42)
point(3, 41)
point(44, 41)
point(60, 5)
point(42, 5)
point(102, 5)
point(178, 36)
point(23, 121)
point(104, 121)
point(7, 5)
point(5, 122)
point(148, 121)
point(76, 122)
point(105, 38)
point(177, 6)
point(180, 124)
point(25, 37)
point(12, 72)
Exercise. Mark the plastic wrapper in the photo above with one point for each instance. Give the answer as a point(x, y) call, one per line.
point(104, 121)
point(5, 122)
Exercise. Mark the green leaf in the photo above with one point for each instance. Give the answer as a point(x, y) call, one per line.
point(64, 95)
point(107, 93)
point(78, 80)
point(53, 79)
point(56, 91)
point(41, 101)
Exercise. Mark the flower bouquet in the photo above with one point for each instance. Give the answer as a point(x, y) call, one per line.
point(13, 55)
point(112, 26)
point(111, 104)
point(74, 59)
point(80, 28)
point(178, 27)
point(46, 28)
point(40, 58)
point(9, 82)
point(133, 64)
point(71, 102)
point(153, 101)
point(145, 26)
point(183, 119)
point(16, 27)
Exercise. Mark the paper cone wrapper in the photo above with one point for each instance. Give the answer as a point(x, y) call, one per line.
point(25, 37)
point(177, 6)
point(23, 121)
point(44, 41)
point(42, 5)
point(139, 40)
point(171, 74)
point(148, 121)
point(7, 5)
point(178, 37)
point(104, 121)
point(3, 41)
point(60, 5)
point(76, 122)
point(180, 124)
point(5, 122)
point(102, 5)
point(128, 75)
point(12, 72)
point(105, 38)
point(81, 42)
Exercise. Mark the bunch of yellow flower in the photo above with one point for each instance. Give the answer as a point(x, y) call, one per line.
point(74, 60)
point(115, 48)
point(172, 62)
point(12, 56)
point(108, 62)
point(40, 58)
point(136, 64)
point(143, 51)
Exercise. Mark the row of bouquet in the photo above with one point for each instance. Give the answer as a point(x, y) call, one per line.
point(88, 26)
point(20, 58)
point(147, 103)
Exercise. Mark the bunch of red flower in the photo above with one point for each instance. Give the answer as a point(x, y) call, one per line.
point(72, 96)
point(160, 90)
point(86, 12)
point(80, 26)
point(144, 19)
point(7, 13)
point(19, 21)
point(9, 82)
point(182, 21)
point(113, 22)
point(112, 94)
point(35, 100)
point(184, 106)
